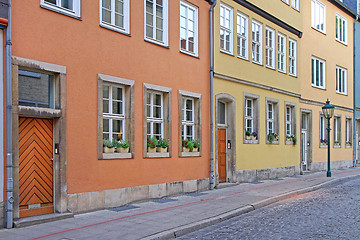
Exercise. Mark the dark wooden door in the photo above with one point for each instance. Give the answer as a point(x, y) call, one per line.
point(35, 166)
point(222, 154)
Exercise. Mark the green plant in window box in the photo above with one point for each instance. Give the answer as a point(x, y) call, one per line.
point(349, 143)
point(273, 137)
point(291, 138)
point(196, 146)
point(187, 145)
point(122, 146)
point(108, 146)
point(337, 143)
point(248, 135)
point(151, 144)
point(162, 145)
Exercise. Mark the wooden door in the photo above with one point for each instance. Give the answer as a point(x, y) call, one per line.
point(222, 154)
point(35, 166)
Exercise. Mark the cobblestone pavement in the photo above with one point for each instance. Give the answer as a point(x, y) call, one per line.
point(329, 213)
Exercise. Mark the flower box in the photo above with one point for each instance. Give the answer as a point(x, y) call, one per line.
point(195, 150)
point(162, 150)
point(248, 137)
point(151, 150)
point(184, 149)
point(109, 150)
point(122, 150)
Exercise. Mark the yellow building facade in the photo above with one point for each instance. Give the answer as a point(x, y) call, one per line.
point(256, 89)
point(327, 73)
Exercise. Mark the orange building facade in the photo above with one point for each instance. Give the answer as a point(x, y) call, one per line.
point(84, 72)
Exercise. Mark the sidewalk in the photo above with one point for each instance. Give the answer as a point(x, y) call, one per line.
point(167, 218)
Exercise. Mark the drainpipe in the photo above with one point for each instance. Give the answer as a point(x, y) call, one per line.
point(355, 144)
point(9, 159)
point(212, 173)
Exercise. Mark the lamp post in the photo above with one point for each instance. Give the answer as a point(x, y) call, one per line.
point(328, 111)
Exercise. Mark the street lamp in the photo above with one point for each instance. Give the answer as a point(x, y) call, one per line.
point(328, 111)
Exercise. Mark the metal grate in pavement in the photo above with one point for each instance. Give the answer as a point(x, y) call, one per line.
point(123, 208)
point(165, 200)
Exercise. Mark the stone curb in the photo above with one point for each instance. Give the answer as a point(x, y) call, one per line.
point(182, 230)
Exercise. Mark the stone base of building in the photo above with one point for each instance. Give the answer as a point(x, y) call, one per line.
point(322, 166)
point(90, 201)
point(2, 214)
point(267, 173)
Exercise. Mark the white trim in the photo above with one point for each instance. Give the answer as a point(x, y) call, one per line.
point(165, 35)
point(313, 82)
point(228, 29)
point(185, 123)
point(151, 119)
point(75, 12)
point(196, 28)
point(257, 43)
point(126, 14)
point(344, 80)
point(251, 116)
point(341, 36)
point(270, 47)
point(282, 52)
point(318, 22)
point(117, 80)
point(245, 36)
point(295, 4)
point(292, 56)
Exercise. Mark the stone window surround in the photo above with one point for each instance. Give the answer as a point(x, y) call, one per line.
point(275, 103)
point(349, 118)
point(337, 116)
point(128, 86)
point(256, 112)
point(59, 117)
point(167, 108)
point(293, 120)
point(197, 120)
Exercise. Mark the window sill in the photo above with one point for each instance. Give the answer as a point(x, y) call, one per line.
point(344, 94)
point(61, 11)
point(343, 43)
point(115, 29)
point(323, 146)
point(228, 53)
point(348, 146)
point(337, 146)
point(156, 43)
point(157, 155)
point(189, 54)
point(321, 88)
point(318, 30)
point(116, 155)
point(289, 143)
point(247, 141)
point(243, 58)
point(270, 67)
point(293, 75)
point(273, 143)
point(258, 63)
point(283, 72)
point(190, 154)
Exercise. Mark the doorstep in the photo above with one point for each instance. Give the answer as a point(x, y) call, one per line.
point(29, 221)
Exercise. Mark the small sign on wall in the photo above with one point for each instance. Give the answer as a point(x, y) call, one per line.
point(229, 144)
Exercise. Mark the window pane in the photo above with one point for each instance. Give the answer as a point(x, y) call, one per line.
point(189, 116)
point(105, 4)
point(106, 125)
point(157, 128)
point(105, 106)
point(116, 93)
point(67, 4)
point(189, 132)
point(117, 108)
point(222, 119)
point(51, 1)
point(157, 112)
point(157, 100)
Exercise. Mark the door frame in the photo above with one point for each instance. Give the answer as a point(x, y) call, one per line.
point(230, 136)
point(59, 129)
point(309, 139)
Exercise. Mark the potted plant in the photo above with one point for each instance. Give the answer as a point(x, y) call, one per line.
point(122, 146)
point(108, 146)
point(349, 143)
point(196, 146)
point(162, 145)
point(254, 135)
point(248, 135)
point(291, 138)
point(323, 142)
point(187, 145)
point(151, 145)
point(273, 137)
point(337, 143)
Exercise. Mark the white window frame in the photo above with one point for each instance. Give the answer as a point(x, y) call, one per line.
point(321, 76)
point(126, 14)
point(322, 128)
point(270, 118)
point(257, 26)
point(151, 119)
point(165, 31)
point(112, 116)
point(187, 30)
point(337, 129)
point(288, 120)
point(318, 16)
point(292, 57)
point(74, 12)
point(242, 36)
point(286, 1)
point(295, 4)
point(249, 117)
point(281, 53)
point(341, 80)
point(226, 26)
point(348, 130)
point(186, 123)
point(340, 29)
point(270, 47)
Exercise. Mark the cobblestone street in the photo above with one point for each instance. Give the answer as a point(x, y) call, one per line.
point(329, 213)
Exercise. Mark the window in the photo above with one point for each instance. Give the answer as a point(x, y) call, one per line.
point(38, 90)
point(115, 14)
point(292, 57)
point(115, 118)
point(341, 80)
point(295, 4)
point(242, 35)
point(156, 21)
point(318, 16)
point(290, 121)
point(157, 115)
point(272, 120)
point(251, 119)
point(341, 29)
point(67, 7)
point(348, 132)
point(256, 42)
point(318, 72)
point(189, 118)
point(322, 129)
point(337, 131)
point(222, 113)
point(281, 53)
point(270, 48)
point(226, 23)
point(188, 28)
